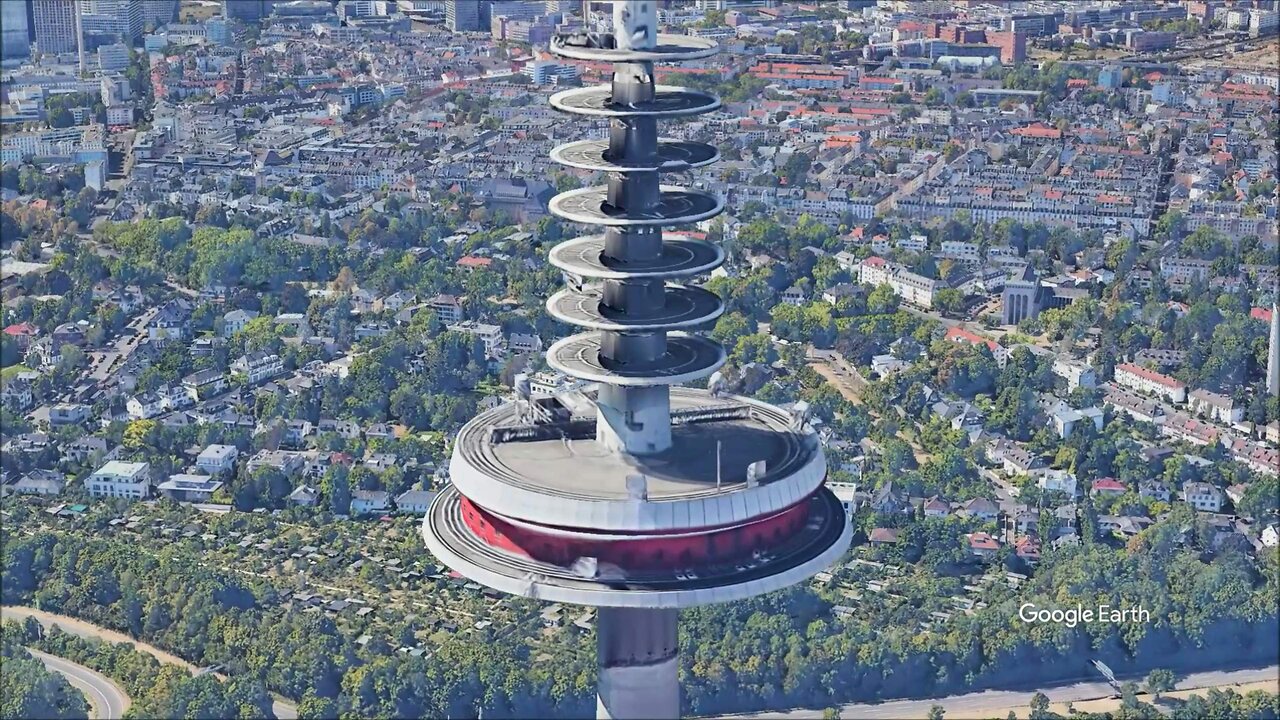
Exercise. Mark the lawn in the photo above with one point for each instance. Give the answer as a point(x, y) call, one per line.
point(12, 370)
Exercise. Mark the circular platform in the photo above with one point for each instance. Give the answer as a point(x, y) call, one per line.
point(668, 101)
point(681, 257)
point(686, 307)
point(814, 547)
point(669, 48)
point(676, 206)
point(688, 358)
point(673, 156)
point(579, 483)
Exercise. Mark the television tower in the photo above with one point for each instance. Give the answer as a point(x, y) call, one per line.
point(639, 497)
point(1273, 352)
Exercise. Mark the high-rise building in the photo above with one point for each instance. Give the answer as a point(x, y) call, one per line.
point(1013, 46)
point(466, 15)
point(15, 42)
point(55, 25)
point(1273, 352)
point(247, 10)
point(638, 498)
point(115, 18)
point(159, 12)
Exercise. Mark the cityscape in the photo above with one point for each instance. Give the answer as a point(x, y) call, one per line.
point(639, 359)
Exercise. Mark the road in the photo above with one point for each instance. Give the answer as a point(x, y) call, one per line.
point(109, 700)
point(997, 703)
point(103, 362)
point(283, 709)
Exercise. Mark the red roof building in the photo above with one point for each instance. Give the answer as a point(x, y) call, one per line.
point(1108, 486)
point(471, 262)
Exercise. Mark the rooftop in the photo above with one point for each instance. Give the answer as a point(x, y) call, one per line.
point(557, 474)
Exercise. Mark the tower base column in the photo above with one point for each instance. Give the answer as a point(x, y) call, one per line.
point(638, 663)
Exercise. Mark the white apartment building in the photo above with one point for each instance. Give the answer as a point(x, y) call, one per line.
point(964, 251)
point(217, 459)
point(1202, 496)
point(1185, 270)
point(1220, 408)
point(258, 366)
point(914, 243)
point(490, 336)
point(447, 308)
point(120, 480)
point(1150, 382)
point(1059, 480)
point(1075, 373)
point(912, 288)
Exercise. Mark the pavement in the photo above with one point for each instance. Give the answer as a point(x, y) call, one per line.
point(998, 703)
point(108, 700)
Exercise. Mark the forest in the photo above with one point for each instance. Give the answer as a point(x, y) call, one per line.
point(782, 650)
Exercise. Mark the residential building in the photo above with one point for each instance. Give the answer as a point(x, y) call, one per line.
point(1065, 419)
point(490, 336)
point(1058, 481)
point(145, 406)
point(217, 459)
point(1202, 496)
point(1106, 486)
point(257, 366)
point(448, 309)
point(184, 487)
point(912, 288)
point(414, 502)
point(368, 502)
point(936, 507)
point(794, 296)
point(17, 394)
point(204, 384)
point(982, 509)
point(982, 545)
point(304, 496)
point(68, 414)
point(118, 479)
point(288, 463)
point(1155, 490)
point(38, 482)
point(1150, 382)
point(1220, 408)
point(1075, 373)
point(236, 320)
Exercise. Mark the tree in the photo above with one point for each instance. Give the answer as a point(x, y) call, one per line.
point(1160, 680)
point(313, 707)
point(949, 301)
point(1039, 706)
point(345, 281)
point(882, 301)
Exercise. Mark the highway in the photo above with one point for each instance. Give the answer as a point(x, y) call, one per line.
point(997, 703)
point(107, 698)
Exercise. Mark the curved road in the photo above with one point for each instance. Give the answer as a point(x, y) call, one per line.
point(107, 698)
point(283, 709)
point(997, 703)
